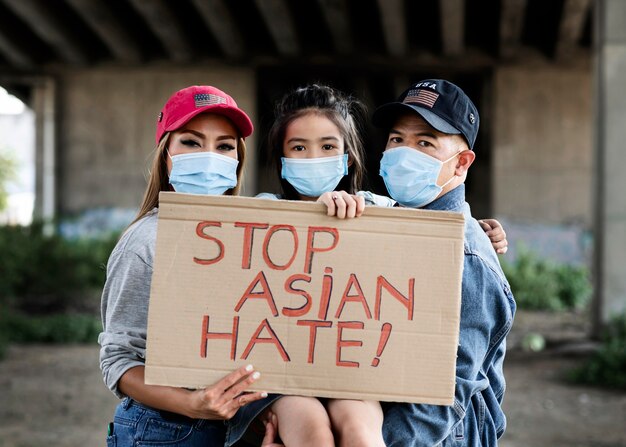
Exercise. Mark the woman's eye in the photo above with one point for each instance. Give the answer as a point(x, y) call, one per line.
point(298, 148)
point(226, 147)
point(395, 140)
point(190, 143)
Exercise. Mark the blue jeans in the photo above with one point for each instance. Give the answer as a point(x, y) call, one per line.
point(136, 425)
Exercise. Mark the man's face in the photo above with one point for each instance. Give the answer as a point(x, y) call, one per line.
point(413, 131)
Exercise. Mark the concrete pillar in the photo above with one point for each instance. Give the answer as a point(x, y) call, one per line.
point(44, 105)
point(610, 181)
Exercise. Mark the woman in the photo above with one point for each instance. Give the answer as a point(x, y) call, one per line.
point(200, 149)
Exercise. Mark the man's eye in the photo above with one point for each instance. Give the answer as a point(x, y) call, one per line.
point(395, 140)
point(424, 143)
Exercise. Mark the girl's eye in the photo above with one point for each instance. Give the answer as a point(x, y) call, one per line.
point(190, 143)
point(298, 148)
point(328, 147)
point(226, 147)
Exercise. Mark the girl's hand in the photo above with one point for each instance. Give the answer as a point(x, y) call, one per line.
point(496, 234)
point(222, 400)
point(271, 430)
point(343, 205)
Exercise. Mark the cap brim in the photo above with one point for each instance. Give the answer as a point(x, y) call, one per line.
point(385, 115)
point(239, 118)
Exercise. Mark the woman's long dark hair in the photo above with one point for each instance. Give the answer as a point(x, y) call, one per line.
point(346, 112)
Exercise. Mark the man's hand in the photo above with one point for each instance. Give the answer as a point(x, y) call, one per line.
point(496, 234)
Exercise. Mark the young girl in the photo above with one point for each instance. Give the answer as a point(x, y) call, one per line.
point(200, 149)
point(316, 147)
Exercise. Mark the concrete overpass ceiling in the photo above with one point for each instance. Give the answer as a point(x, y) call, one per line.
point(36, 36)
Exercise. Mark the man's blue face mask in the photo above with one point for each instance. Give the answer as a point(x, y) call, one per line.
point(203, 173)
point(312, 177)
point(411, 176)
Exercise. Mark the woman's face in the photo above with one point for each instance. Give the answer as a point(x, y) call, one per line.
point(312, 136)
point(206, 132)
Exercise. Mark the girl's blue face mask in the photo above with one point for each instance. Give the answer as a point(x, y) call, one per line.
point(312, 177)
point(203, 173)
point(411, 176)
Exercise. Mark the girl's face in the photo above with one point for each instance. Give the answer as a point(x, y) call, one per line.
point(312, 136)
point(206, 132)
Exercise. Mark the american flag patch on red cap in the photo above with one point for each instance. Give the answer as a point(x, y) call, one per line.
point(420, 96)
point(207, 99)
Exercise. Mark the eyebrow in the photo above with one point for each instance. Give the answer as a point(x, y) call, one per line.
point(201, 135)
point(417, 134)
point(304, 140)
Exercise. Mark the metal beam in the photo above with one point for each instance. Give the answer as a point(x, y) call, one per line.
point(336, 16)
point(46, 24)
point(280, 25)
point(12, 53)
point(452, 26)
point(223, 26)
point(100, 18)
point(511, 26)
point(571, 28)
point(394, 26)
point(164, 25)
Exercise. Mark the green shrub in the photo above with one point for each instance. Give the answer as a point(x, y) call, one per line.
point(43, 274)
point(539, 284)
point(8, 167)
point(607, 367)
point(4, 340)
point(56, 328)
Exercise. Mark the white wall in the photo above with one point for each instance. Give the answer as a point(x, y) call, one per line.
point(543, 144)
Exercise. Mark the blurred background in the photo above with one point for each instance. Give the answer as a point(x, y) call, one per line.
point(82, 83)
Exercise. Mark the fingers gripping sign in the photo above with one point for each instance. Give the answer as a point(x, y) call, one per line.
point(224, 398)
point(342, 204)
point(496, 234)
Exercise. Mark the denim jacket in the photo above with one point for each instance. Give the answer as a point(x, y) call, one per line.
point(487, 310)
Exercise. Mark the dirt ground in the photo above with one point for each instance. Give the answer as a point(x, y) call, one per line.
point(54, 395)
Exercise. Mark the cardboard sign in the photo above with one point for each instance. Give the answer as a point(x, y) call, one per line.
point(364, 308)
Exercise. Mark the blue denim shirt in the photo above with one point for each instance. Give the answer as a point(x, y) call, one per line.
point(487, 310)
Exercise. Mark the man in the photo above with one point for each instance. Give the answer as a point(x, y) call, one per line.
point(432, 130)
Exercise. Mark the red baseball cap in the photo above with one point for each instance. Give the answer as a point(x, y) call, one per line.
point(191, 101)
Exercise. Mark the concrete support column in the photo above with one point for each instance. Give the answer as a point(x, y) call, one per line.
point(44, 105)
point(610, 181)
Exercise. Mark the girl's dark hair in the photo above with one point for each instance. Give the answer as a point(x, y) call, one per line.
point(346, 112)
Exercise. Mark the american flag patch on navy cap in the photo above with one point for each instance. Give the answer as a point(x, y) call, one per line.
point(420, 96)
point(207, 99)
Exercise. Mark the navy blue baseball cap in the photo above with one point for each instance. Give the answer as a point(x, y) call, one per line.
point(441, 103)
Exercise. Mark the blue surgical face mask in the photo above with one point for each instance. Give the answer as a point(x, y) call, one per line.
point(411, 176)
point(203, 173)
point(312, 177)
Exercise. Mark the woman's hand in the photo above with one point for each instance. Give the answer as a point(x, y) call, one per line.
point(496, 234)
point(219, 401)
point(343, 205)
point(222, 400)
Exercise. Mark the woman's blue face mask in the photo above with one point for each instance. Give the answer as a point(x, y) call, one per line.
point(312, 177)
point(203, 173)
